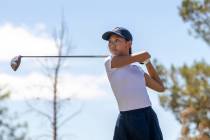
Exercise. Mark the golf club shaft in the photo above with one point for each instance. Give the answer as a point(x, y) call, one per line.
point(72, 56)
point(76, 56)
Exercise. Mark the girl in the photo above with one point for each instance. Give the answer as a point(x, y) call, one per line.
point(136, 120)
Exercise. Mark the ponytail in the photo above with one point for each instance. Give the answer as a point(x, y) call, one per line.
point(130, 51)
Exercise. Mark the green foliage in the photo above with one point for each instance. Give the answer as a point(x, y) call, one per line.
point(10, 129)
point(188, 97)
point(197, 13)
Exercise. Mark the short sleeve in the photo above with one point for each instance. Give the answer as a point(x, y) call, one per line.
point(107, 64)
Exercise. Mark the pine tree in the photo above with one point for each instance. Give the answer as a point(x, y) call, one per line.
point(188, 97)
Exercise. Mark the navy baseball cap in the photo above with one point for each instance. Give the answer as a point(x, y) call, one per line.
point(122, 32)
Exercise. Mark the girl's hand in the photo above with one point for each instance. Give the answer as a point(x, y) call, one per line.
point(142, 56)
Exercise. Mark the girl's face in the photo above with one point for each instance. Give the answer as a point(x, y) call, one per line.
point(118, 45)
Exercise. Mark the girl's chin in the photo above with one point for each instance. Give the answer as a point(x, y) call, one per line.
point(115, 53)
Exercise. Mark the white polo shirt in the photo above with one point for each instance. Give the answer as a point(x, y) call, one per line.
point(128, 85)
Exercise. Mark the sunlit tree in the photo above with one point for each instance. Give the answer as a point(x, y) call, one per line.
point(188, 97)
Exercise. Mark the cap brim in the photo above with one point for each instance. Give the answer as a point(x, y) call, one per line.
point(107, 35)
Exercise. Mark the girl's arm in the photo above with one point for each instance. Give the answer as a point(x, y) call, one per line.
point(153, 81)
point(119, 61)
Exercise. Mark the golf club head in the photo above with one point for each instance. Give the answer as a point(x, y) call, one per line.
point(15, 62)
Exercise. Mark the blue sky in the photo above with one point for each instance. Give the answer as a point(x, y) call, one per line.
point(155, 25)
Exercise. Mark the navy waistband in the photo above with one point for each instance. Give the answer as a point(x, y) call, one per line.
point(135, 110)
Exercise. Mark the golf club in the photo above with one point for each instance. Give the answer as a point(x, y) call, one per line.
point(15, 62)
